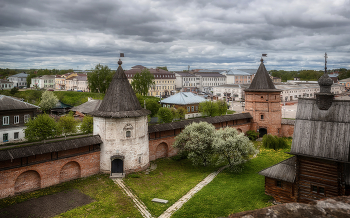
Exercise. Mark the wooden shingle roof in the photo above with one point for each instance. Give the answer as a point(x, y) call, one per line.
point(36, 149)
point(284, 170)
point(9, 103)
point(262, 81)
point(120, 100)
point(182, 124)
point(322, 133)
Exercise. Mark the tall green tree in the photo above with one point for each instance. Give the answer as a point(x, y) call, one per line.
point(209, 108)
point(232, 147)
point(48, 101)
point(41, 127)
point(100, 78)
point(67, 125)
point(222, 107)
point(163, 68)
point(197, 140)
point(142, 82)
point(165, 115)
point(87, 125)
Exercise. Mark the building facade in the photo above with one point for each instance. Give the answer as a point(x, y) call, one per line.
point(164, 81)
point(19, 80)
point(13, 116)
point(43, 82)
point(72, 81)
point(4, 84)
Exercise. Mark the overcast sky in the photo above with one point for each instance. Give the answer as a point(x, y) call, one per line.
point(218, 34)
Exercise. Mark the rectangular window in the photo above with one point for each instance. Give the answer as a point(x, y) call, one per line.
point(15, 135)
point(188, 109)
point(318, 189)
point(16, 119)
point(5, 137)
point(261, 117)
point(192, 108)
point(26, 118)
point(279, 183)
point(5, 120)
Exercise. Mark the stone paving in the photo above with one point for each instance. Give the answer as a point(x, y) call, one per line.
point(177, 205)
point(138, 203)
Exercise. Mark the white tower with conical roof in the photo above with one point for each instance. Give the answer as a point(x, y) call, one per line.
point(122, 125)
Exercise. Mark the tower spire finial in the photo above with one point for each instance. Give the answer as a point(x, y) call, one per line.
point(263, 55)
point(120, 61)
point(325, 62)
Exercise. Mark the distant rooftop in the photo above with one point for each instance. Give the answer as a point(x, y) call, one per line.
point(184, 98)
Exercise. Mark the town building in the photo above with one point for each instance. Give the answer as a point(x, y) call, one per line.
point(208, 80)
point(345, 83)
point(320, 167)
point(4, 84)
point(13, 115)
point(19, 79)
point(164, 81)
point(234, 92)
point(187, 82)
point(43, 82)
point(72, 81)
point(262, 101)
point(239, 76)
point(186, 100)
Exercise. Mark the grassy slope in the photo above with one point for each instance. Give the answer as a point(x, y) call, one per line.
point(110, 201)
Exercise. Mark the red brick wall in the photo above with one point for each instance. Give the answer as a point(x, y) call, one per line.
point(49, 173)
point(287, 130)
point(266, 104)
point(162, 147)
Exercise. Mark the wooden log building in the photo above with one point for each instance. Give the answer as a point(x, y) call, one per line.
point(320, 166)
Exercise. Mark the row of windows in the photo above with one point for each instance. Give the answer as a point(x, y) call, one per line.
point(6, 85)
point(163, 87)
point(5, 136)
point(6, 119)
point(314, 188)
point(157, 81)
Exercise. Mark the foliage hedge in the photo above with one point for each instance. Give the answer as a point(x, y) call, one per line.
point(252, 135)
point(274, 142)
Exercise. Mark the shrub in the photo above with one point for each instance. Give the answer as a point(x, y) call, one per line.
point(42, 127)
point(274, 142)
point(87, 126)
point(252, 135)
point(165, 115)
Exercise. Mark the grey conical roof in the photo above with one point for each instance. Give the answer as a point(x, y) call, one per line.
point(120, 100)
point(262, 81)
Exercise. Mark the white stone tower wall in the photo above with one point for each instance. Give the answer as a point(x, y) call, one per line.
point(135, 148)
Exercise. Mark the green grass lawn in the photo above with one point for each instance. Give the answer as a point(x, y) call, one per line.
point(234, 192)
point(170, 181)
point(110, 200)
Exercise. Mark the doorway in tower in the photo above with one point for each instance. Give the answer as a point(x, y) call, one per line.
point(117, 164)
point(262, 132)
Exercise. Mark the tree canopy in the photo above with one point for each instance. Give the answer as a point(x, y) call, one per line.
point(48, 101)
point(87, 124)
point(100, 78)
point(212, 109)
point(197, 140)
point(142, 82)
point(67, 125)
point(232, 147)
point(41, 127)
point(165, 115)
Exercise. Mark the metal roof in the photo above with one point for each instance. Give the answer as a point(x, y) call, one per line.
point(182, 124)
point(63, 145)
point(10, 103)
point(120, 100)
point(88, 106)
point(238, 72)
point(322, 133)
point(184, 98)
point(284, 170)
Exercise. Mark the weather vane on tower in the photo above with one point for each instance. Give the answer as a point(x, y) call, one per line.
point(325, 62)
point(120, 61)
point(263, 55)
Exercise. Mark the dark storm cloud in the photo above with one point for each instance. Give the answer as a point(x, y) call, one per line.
point(173, 33)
